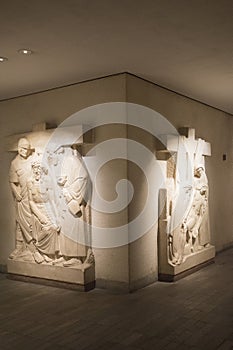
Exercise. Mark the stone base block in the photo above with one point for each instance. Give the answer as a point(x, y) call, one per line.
point(192, 263)
point(81, 277)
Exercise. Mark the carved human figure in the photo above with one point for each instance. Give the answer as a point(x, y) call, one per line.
point(190, 233)
point(45, 226)
point(75, 217)
point(194, 218)
point(20, 171)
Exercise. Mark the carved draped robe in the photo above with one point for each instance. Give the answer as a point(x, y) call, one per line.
point(42, 206)
point(74, 208)
point(20, 171)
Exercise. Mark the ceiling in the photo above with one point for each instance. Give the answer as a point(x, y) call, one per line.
point(186, 46)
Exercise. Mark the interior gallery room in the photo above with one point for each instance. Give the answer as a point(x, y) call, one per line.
point(116, 174)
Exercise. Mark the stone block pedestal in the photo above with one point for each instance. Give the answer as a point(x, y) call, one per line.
point(192, 263)
point(80, 277)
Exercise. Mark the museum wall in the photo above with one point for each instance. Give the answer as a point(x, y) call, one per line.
point(53, 107)
point(130, 266)
point(210, 124)
point(143, 264)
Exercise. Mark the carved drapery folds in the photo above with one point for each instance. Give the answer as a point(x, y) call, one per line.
point(52, 195)
point(184, 217)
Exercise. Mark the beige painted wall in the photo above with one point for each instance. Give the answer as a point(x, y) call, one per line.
point(18, 115)
point(212, 125)
point(135, 264)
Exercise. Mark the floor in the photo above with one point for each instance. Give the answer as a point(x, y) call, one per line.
point(193, 313)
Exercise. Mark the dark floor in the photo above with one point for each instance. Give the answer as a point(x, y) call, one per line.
point(193, 313)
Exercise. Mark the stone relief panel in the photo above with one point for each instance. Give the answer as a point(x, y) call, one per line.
point(52, 195)
point(184, 222)
point(191, 236)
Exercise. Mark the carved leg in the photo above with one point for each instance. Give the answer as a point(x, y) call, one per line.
point(58, 260)
point(20, 246)
point(72, 262)
point(18, 250)
point(38, 257)
point(47, 258)
point(35, 253)
point(90, 259)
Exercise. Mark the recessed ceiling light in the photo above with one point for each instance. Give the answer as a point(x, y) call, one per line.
point(3, 59)
point(25, 51)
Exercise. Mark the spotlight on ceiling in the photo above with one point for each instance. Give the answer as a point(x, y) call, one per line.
point(25, 51)
point(3, 59)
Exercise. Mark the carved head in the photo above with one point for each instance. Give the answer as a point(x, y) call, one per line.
point(199, 169)
point(38, 170)
point(75, 148)
point(24, 147)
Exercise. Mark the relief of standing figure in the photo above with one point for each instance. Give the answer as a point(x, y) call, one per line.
point(193, 221)
point(53, 216)
point(45, 228)
point(20, 172)
point(75, 185)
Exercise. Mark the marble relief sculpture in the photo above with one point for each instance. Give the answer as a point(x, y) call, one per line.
point(74, 206)
point(20, 171)
point(193, 220)
point(184, 222)
point(44, 216)
point(189, 237)
point(52, 193)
